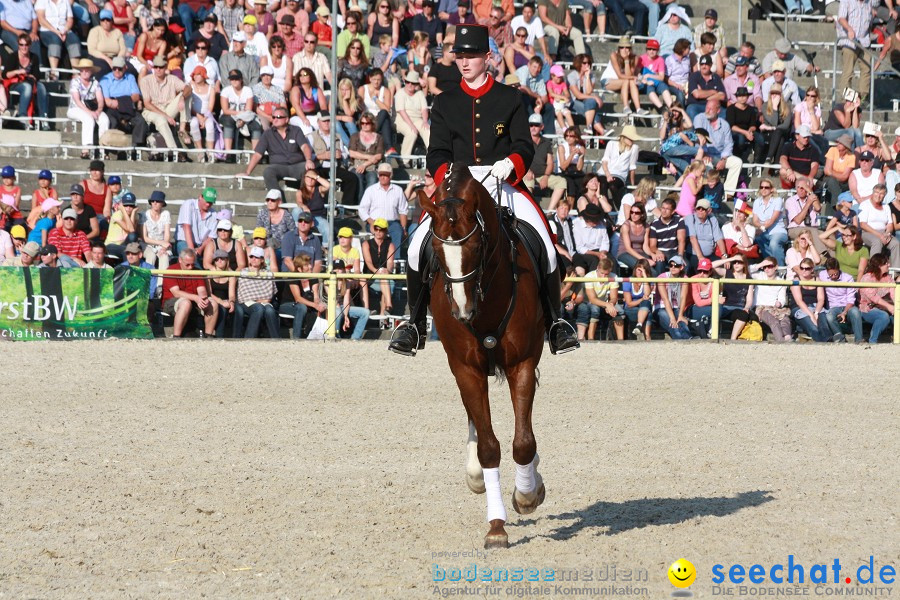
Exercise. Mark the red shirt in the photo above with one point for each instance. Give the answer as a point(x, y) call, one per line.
point(185, 284)
point(74, 245)
point(322, 31)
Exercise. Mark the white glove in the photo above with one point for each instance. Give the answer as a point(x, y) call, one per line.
point(502, 169)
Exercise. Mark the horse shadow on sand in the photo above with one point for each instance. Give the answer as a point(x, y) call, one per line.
point(611, 518)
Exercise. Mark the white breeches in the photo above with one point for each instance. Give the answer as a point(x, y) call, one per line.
point(522, 206)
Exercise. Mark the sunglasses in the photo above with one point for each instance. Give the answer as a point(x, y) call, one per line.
point(308, 42)
point(351, 22)
point(378, 228)
point(270, 200)
point(704, 209)
point(202, 47)
point(703, 270)
point(812, 96)
point(534, 125)
point(806, 268)
point(765, 187)
point(24, 45)
point(521, 35)
point(68, 218)
point(675, 265)
point(636, 212)
point(118, 68)
point(365, 122)
point(279, 116)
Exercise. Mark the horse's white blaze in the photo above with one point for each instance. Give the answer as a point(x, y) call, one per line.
point(453, 259)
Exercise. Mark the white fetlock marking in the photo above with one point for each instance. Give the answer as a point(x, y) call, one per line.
point(473, 467)
point(495, 508)
point(525, 480)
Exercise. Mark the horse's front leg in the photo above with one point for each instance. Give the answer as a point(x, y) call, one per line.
point(529, 491)
point(473, 387)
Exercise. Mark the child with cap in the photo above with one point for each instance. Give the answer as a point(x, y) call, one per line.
point(350, 256)
point(261, 240)
point(123, 226)
point(19, 237)
point(653, 76)
point(558, 90)
point(346, 310)
point(45, 221)
point(10, 197)
point(44, 190)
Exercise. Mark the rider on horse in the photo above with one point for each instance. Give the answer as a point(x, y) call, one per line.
point(482, 124)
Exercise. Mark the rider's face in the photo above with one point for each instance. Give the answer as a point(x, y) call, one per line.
point(471, 65)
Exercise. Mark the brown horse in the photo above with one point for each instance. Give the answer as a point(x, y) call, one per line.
point(489, 316)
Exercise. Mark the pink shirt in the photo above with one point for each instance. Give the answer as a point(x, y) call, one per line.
point(688, 199)
point(658, 65)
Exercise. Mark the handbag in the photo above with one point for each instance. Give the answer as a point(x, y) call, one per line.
point(752, 331)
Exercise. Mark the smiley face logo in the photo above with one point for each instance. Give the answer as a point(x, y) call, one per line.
point(682, 573)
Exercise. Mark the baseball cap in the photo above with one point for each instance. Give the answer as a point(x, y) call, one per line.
point(114, 179)
point(118, 62)
point(31, 249)
point(778, 65)
point(220, 254)
point(677, 260)
point(706, 59)
point(273, 194)
point(742, 61)
point(50, 203)
point(305, 216)
point(105, 14)
point(250, 20)
point(76, 188)
point(704, 265)
point(260, 232)
point(18, 232)
point(239, 36)
point(711, 13)
point(45, 174)
point(322, 11)
point(266, 70)
point(224, 224)
point(159, 61)
point(385, 168)
point(128, 199)
point(69, 213)
point(49, 249)
point(338, 264)
point(345, 232)
point(210, 195)
point(382, 223)
point(866, 155)
point(703, 203)
point(535, 119)
point(804, 131)
point(257, 252)
point(158, 196)
point(652, 44)
point(8, 171)
point(211, 18)
point(133, 248)
point(557, 71)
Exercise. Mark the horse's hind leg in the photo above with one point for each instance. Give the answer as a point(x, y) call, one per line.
point(529, 492)
point(473, 388)
point(474, 472)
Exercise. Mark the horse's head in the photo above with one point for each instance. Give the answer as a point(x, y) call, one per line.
point(459, 238)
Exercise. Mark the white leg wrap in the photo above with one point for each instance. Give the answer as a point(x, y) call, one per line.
point(525, 481)
point(495, 508)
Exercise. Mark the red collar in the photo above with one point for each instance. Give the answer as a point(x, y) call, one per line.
point(480, 91)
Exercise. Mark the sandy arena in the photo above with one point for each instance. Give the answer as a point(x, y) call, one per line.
point(208, 469)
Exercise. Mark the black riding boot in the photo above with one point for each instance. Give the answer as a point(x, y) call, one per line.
point(410, 336)
point(560, 334)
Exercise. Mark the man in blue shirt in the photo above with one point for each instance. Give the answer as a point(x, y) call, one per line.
point(302, 240)
point(18, 17)
point(123, 103)
point(720, 137)
point(704, 234)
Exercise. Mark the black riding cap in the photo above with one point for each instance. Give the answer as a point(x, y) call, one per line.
point(472, 39)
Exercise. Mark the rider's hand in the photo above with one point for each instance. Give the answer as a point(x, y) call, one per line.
point(502, 168)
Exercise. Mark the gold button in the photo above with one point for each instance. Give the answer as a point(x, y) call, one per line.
point(477, 130)
point(478, 160)
point(477, 115)
point(478, 144)
point(477, 100)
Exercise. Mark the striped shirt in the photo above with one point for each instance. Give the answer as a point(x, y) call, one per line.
point(859, 15)
point(74, 245)
point(666, 234)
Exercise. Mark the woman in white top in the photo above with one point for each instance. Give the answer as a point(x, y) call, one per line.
point(202, 101)
point(86, 103)
point(863, 179)
point(280, 62)
point(643, 194)
point(156, 231)
point(412, 113)
point(738, 234)
point(770, 301)
point(379, 100)
point(570, 160)
point(618, 164)
point(801, 249)
point(56, 20)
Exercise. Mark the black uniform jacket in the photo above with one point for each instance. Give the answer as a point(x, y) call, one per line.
point(479, 127)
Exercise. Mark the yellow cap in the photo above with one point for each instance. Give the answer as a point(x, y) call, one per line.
point(380, 223)
point(17, 232)
point(260, 232)
point(345, 232)
point(249, 20)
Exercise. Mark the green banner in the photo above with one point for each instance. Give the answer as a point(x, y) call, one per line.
point(66, 304)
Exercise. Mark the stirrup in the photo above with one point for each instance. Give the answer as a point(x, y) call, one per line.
point(551, 333)
point(418, 345)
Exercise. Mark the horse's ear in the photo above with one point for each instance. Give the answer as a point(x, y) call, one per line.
point(426, 203)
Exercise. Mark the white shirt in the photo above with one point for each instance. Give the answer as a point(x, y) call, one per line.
point(628, 201)
point(875, 218)
point(535, 29)
point(236, 102)
point(618, 163)
point(730, 233)
point(589, 238)
point(789, 90)
point(378, 203)
point(56, 13)
point(257, 46)
point(212, 68)
point(768, 295)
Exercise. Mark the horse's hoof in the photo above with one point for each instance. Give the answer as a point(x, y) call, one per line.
point(524, 505)
point(495, 542)
point(475, 483)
